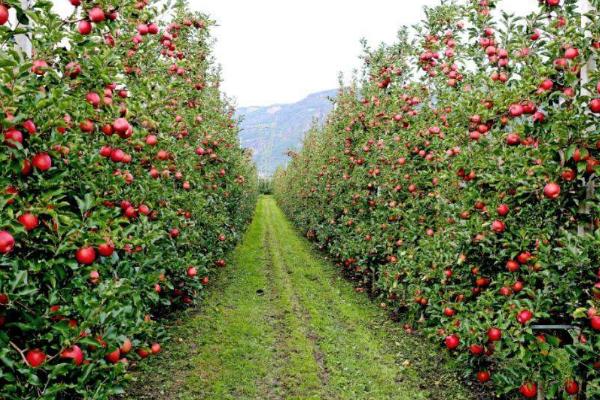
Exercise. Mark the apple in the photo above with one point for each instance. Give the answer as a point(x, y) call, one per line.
point(528, 389)
point(512, 266)
point(121, 125)
point(117, 155)
point(595, 322)
point(4, 299)
point(524, 316)
point(192, 272)
point(39, 67)
point(30, 127)
point(7, 242)
point(503, 210)
point(476, 349)
point(553, 3)
point(513, 139)
point(152, 29)
point(93, 98)
point(106, 249)
point(29, 221)
point(3, 14)
point(84, 27)
point(155, 348)
point(174, 233)
point(595, 105)
point(452, 341)
point(498, 226)
point(552, 191)
point(483, 376)
point(516, 110)
point(494, 334)
point(42, 161)
point(151, 140)
point(524, 257)
point(75, 353)
point(571, 53)
point(96, 14)
point(143, 353)
point(35, 358)
point(86, 255)
point(73, 69)
point(126, 346)
point(114, 356)
point(12, 137)
point(571, 387)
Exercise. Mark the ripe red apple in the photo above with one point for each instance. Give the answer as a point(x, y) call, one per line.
point(35, 358)
point(476, 349)
point(96, 14)
point(7, 242)
point(84, 27)
point(192, 272)
point(174, 232)
point(552, 191)
point(524, 257)
point(512, 266)
point(503, 210)
point(515, 110)
point(595, 322)
point(483, 376)
point(553, 3)
point(106, 249)
point(30, 127)
point(151, 140)
point(74, 352)
point(113, 357)
point(155, 348)
point(524, 316)
point(571, 53)
point(42, 161)
point(513, 139)
point(93, 98)
point(152, 29)
point(3, 14)
point(29, 221)
point(121, 125)
point(595, 105)
point(494, 334)
point(4, 299)
point(143, 353)
point(452, 341)
point(86, 255)
point(12, 137)
point(126, 346)
point(528, 389)
point(75, 3)
point(498, 226)
point(117, 155)
point(571, 387)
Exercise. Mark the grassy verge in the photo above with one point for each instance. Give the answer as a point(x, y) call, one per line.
point(280, 323)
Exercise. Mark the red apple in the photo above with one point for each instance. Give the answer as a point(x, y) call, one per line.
point(86, 255)
point(3, 14)
point(96, 14)
point(35, 358)
point(84, 27)
point(7, 242)
point(483, 376)
point(524, 316)
point(29, 221)
point(74, 353)
point(114, 356)
point(498, 226)
point(452, 341)
point(494, 334)
point(528, 389)
point(552, 190)
point(571, 387)
point(106, 249)
point(42, 161)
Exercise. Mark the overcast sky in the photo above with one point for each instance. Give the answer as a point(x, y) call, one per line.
point(275, 51)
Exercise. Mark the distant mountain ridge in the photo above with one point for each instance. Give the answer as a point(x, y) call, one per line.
point(272, 131)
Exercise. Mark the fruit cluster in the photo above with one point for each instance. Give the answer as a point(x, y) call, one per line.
point(460, 181)
point(123, 186)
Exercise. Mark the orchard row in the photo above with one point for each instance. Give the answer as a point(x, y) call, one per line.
point(123, 186)
point(459, 178)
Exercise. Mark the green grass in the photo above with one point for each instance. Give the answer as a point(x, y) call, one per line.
point(280, 323)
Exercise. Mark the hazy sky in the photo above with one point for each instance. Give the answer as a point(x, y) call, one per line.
point(275, 51)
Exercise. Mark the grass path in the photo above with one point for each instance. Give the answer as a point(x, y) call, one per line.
point(280, 323)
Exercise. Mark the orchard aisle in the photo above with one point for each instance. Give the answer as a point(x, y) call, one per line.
point(282, 324)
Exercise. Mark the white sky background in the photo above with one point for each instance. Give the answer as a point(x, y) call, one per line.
point(279, 51)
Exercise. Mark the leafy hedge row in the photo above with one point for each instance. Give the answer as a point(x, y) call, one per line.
point(457, 180)
point(123, 186)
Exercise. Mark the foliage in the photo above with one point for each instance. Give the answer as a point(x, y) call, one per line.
point(459, 179)
point(123, 186)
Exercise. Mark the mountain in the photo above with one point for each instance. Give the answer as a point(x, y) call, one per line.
point(273, 130)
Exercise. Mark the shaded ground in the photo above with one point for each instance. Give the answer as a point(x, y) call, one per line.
point(281, 323)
